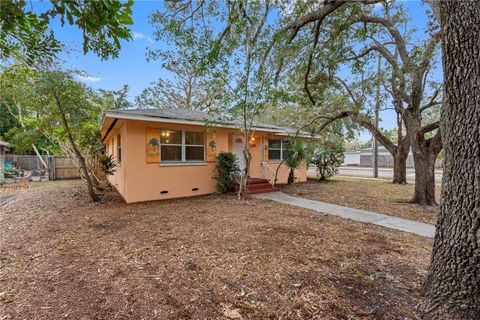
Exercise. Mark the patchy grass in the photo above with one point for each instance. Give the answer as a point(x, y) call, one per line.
point(211, 257)
point(376, 195)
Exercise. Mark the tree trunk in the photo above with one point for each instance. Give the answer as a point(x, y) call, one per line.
point(81, 159)
point(246, 172)
point(399, 169)
point(424, 159)
point(452, 289)
point(291, 177)
point(401, 153)
point(400, 159)
point(424, 192)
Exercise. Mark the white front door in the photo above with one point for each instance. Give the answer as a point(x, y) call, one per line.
point(238, 150)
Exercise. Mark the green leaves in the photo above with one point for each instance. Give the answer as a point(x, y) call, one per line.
point(108, 165)
point(327, 159)
point(296, 153)
point(226, 170)
point(27, 35)
point(28, 97)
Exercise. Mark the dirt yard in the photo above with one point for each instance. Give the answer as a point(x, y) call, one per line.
point(212, 257)
point(373, 195)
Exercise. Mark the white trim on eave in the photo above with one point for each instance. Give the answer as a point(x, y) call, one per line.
point(178, 121)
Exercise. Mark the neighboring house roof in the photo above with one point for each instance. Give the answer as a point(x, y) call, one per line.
point(4, 144)
point(184, 116)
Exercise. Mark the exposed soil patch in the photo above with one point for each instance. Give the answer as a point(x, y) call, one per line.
point(373, 195)
point(210, 257)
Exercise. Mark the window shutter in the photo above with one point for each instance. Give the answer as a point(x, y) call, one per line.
point(152, 145)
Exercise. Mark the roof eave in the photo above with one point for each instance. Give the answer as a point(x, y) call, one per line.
point(178, 121)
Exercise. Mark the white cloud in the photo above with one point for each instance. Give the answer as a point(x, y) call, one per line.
point(150, 39)
point(138, 35)
point(87, 78)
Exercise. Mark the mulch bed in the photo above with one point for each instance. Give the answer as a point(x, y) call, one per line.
point(211, 257)
point(373, 195)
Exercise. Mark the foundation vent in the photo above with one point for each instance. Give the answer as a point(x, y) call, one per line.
point(195, 189)
point(164, 192)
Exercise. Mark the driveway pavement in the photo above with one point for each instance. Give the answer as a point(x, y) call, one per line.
point(415, 227)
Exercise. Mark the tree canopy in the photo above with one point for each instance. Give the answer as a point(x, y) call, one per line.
point(27, 35)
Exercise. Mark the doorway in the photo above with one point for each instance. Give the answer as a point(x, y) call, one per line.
point(237, 149)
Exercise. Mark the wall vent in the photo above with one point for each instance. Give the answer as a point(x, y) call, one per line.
point(195, 189)
point(164, 192)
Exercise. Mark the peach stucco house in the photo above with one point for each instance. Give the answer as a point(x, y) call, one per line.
point(171, 153)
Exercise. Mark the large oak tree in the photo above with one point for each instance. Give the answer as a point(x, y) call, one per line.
point(409, 66)
point(452, 289)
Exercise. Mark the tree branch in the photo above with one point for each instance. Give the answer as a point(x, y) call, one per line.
point(397, 72)
point(362, 121)
point(429, 127)
point(319, 15)
point(430, 49)
point(436, 143)
point(262, 22)
point(349, 91)
point(330, 119)
point(432, 100)
point(309, 65)
point(396, 35)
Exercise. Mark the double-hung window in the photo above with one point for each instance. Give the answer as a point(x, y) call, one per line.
point(171, 145)
point(182, 146)
point(194, 146)
point(278, 149)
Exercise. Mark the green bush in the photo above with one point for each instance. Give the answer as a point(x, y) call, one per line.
point(326, 160)
point(226, 170)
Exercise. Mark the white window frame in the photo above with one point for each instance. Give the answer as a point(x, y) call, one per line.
point(183, 146)
point(119, 149)
point(281, 149)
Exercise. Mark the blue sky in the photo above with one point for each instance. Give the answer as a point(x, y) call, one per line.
point(131, 66)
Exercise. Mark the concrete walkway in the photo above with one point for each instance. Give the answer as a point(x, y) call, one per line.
point(4, 198)
point(419, 228)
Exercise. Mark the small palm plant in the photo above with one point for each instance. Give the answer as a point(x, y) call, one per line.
point(296, 157)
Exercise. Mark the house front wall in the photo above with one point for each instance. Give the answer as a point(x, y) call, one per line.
point(142, 177)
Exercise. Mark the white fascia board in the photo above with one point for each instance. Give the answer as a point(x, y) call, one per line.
point(299, 135)
point(177, 121)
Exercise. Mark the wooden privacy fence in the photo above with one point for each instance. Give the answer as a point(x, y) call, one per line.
point(65, 168)
point(59, 167)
